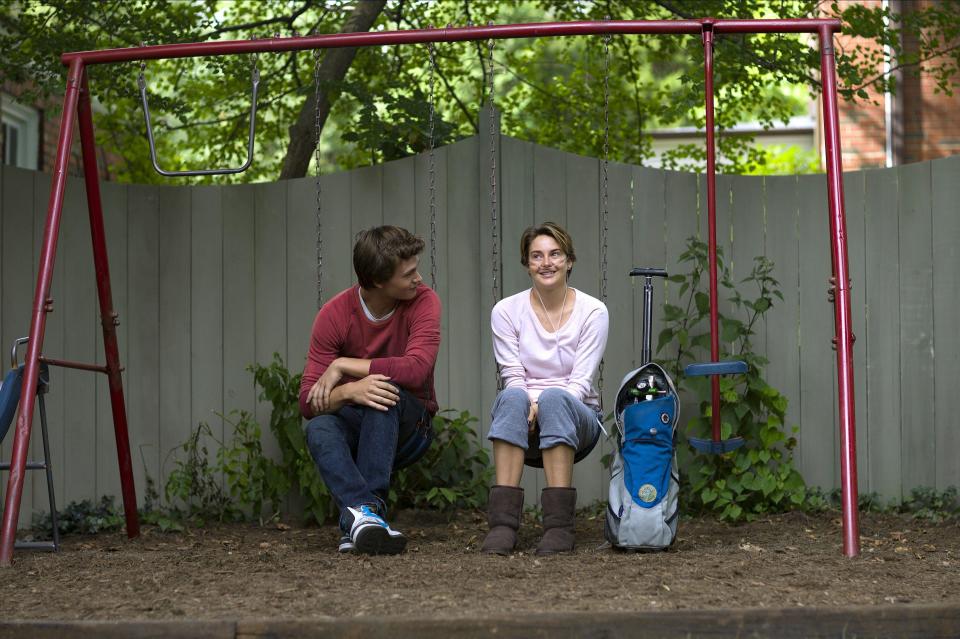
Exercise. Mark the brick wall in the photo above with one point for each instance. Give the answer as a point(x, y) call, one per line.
point(50, 112)
point(925, 124)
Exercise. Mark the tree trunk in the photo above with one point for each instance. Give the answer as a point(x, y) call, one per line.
point(333, 68)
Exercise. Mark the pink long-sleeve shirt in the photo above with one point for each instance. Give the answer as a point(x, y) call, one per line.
point(403, 347)
point(534, 359)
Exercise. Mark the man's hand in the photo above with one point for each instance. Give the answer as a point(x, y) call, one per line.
point(532, 416)
point(374, 391)
point(319, 396)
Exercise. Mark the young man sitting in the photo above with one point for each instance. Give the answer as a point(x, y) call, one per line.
point(369, 377)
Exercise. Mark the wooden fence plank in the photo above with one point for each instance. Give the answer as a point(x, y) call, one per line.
point(366, 205)
point(649, 250)
point(270, 276)
point(463, 273)
point(882, 417)
point(336, 234)
point(301, 268)
point(176, 379)
point(582, 182)
point(519, 211)
point(749, 241)
point(398, 197)
point(239, 298)
point(115, 218)
point(682, 213)
point(433, 265)
point(80, 335)
point(142, 378)
point(783, 344)
point(729, 213)
point(206, 310)
point(818, 434)
point(620, 356)
point(17, 286)
point(946, 305)
point(855, 198)
point(918, 445)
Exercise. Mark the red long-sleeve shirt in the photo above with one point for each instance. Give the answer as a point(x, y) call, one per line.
point(404, 347)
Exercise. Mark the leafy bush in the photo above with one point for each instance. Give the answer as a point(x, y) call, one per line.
point(282, 390)
point(758, 477)
point(455, 472)
point(84, 517)
point(195, 488)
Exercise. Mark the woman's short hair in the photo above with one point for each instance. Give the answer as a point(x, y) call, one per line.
point(550, 229)
point(378, 250)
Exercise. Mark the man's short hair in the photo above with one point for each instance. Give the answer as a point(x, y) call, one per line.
point(550, 229)
point(378, 250)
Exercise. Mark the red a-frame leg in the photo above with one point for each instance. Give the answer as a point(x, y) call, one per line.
point(76, 101)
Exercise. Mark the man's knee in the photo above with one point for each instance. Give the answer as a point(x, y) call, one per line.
point(320, 429)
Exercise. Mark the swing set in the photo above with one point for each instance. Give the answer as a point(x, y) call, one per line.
point(31, 376)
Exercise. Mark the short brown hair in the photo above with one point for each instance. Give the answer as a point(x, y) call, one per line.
point(550, 229)
point(378, 250)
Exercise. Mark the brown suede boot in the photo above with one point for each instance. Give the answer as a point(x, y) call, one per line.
point(504, 507)
point(559, 510)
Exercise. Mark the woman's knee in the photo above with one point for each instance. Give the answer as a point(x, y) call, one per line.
point(510, 400)
point(555, 398)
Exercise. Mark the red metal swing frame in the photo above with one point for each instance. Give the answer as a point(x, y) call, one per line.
point(77, 108)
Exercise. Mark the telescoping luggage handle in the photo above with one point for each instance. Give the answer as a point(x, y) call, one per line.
point(649, 273)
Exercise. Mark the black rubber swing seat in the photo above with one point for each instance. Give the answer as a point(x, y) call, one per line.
point(730, 367)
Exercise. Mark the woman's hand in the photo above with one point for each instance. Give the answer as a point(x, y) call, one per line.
point(532, 416)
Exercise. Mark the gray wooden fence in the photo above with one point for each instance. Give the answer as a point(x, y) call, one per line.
point(210, 279)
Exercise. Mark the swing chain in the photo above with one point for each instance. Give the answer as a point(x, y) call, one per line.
point(433, 166)
point(316, 157)
point(494, 235)
point(605, 193)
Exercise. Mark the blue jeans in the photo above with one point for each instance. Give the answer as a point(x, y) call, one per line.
point(354, 450)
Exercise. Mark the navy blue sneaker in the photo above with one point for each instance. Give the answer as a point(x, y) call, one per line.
point(372, 535)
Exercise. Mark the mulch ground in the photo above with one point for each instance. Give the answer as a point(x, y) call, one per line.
point(286, 571)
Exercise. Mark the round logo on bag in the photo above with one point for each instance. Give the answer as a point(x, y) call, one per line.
point(647, 493)
point(665, 418)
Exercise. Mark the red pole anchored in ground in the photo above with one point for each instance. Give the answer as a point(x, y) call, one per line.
point(48, 254)
point(712, 226)
point(108, 318)
point(841, 301)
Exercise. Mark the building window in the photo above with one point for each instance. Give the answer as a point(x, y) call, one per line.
point(20, 133)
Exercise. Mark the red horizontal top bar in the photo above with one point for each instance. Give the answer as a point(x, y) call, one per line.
point(451, 34)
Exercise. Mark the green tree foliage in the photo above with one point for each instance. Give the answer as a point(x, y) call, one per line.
point(549, 89)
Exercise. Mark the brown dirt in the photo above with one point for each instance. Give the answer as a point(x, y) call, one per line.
point(249, 572)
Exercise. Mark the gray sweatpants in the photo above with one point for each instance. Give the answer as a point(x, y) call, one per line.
point(563, 419)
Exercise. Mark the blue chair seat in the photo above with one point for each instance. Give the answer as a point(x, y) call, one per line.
point(730, 367)
point(9, 399)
